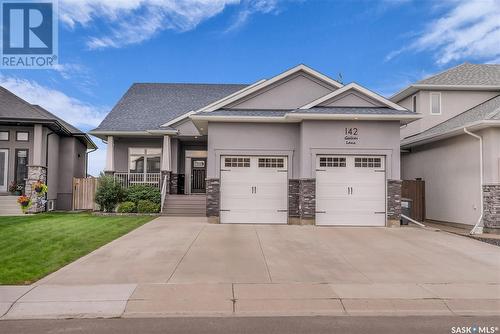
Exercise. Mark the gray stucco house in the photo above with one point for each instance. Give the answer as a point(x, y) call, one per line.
point(455, 146)
point(37, 145)
point(298, 148)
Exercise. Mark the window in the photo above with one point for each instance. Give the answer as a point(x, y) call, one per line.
point(414, 103)
point(144, 160)
point(435, 103)
point(332, 161)
point(21, 167)
point(271, 163)
point(22, 136)
point(4, 135)
point(367, 162)
point(237, 162)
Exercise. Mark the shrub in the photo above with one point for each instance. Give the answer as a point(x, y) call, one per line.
point(145, 206)
point(108, 194)
point(126, 207)
point(143, 192)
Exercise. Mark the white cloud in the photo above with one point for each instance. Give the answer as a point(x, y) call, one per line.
point(70, 109)
point(134, 21)
point(97, 159)
point(469, 29)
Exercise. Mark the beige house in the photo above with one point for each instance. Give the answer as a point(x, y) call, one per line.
point(297, 148)
point(455, 146)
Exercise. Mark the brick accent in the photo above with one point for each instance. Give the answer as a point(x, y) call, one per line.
point(393, 202)
point(36, 173)
point(213, 199)
point(293, 198)
point(491, 198)
point(174, 180)
point(307, 200)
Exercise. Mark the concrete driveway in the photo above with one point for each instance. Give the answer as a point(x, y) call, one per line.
point(186, 266)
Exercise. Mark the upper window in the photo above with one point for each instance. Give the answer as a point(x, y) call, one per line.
point(237, 162)
point(22, 136)
point(414, 103)
point(144, 160)
point(271, 163)
point(367, 162)
point(435, 103)
point(4, 135)
point(332, 161)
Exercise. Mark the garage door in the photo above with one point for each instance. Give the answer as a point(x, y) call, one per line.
point(253, 190)
point(350, 190)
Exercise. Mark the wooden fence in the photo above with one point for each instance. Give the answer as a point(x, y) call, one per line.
point(415, 190)
point(84, 193)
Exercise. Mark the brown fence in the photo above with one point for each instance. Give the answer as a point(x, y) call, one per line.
point(415, 190)
point(84, 193)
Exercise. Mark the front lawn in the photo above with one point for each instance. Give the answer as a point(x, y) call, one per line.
point(33, 246)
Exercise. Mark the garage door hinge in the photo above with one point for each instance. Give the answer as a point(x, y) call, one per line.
point(282, 171)
point(282, 210)
point(377, 212)
point(321, 170)
point(380, 171)
point(320, 211)
point(225, 170)
point(222, 210)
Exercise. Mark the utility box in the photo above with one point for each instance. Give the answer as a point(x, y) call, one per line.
point(406, 206)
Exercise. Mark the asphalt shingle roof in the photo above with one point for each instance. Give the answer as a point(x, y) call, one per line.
point(147, 106)
point(467, 75)
point(488, 110)
point(314, 110)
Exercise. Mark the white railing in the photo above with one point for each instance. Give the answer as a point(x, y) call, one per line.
point(163, 191)
point(128, 179)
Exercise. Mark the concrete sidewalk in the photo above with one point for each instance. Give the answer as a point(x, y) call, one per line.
point(185, 267)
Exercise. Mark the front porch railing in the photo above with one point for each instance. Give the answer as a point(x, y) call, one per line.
point(128, 179)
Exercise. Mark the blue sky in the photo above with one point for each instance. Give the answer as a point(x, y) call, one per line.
point(105, 46)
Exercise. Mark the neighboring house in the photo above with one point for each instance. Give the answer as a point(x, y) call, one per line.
point(299, 148)
point(37, 145)
point(437, 149)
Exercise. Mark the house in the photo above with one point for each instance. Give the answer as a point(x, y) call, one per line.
point(455, 146)
point(37, 145)
point(298, 148)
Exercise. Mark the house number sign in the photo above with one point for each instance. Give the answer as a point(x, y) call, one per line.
point(351, 136)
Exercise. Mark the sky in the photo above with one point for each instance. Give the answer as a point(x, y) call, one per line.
point(106, 45)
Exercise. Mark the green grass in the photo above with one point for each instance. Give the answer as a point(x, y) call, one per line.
point(33, 246)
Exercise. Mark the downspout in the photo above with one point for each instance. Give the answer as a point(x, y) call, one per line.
point(473, 231)
point(47, 167)
point(87, 160)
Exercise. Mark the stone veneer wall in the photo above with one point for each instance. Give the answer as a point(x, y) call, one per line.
point(213, 200)
point(35, 173)
point(174, 180)
point(307, 201)
point(293, 201)
point(491, 198)
point(393, 202)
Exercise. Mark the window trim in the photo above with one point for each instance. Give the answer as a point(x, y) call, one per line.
point(8, 135)
point(24, 141)
point(430, 103)
point(145, 156)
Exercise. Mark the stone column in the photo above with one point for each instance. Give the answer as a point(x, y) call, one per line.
point(213, 200)
point(293, 202)
point(35, 174)
point(393, 203)
point(307, 201)
point(491, 202)
point(110, 156)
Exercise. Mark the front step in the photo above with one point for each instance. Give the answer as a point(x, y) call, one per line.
point(9, 206)
point(185, 205)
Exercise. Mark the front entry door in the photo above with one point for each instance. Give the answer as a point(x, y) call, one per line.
point(198, 175)
point(4, 161)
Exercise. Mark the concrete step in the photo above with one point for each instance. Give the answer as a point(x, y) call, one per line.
point(185, 205)
point(9, 206)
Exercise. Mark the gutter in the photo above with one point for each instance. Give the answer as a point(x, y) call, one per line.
point(477, 229)
point(87, 160)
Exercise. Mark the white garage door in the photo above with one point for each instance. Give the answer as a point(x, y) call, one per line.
point(350, 190)
point(253, 190)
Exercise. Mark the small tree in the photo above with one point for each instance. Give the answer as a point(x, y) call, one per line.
point(108, 194)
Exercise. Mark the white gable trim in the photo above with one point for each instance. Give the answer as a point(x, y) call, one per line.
point(353, 86)
point(262, 84)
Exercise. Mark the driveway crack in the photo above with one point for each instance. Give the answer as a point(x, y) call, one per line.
point(263, 255)
point(183, 256)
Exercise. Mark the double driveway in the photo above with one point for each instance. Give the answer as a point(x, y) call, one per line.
point(186, 266)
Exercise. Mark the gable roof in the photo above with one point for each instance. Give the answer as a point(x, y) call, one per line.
point(358, 88)
point(13, 109)
point(146, 106)
point(480, 116)
point(462, 77)
point(266, 83)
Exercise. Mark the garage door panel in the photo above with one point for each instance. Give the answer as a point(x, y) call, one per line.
point(350, 219)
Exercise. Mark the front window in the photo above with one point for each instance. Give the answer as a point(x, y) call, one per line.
point(144, 160)
point(21, 165)
point(436, 103)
